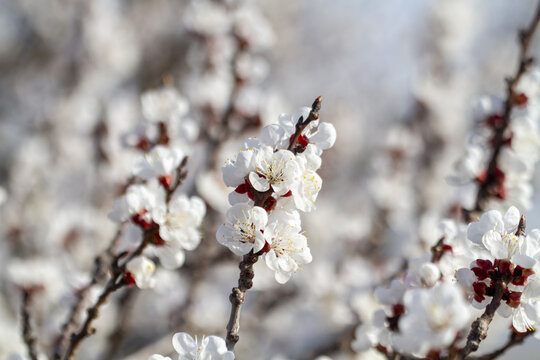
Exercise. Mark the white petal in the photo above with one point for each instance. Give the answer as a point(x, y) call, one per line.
point(492, 240)
point(511, 220)
point(183, 343)
point(259, 183)
point(524, 261)
point(325, 137)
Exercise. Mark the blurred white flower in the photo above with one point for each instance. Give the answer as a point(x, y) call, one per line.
point(432, 319)
point(163, 104)
point(140, 271)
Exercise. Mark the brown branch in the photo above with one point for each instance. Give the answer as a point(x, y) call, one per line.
point(479, 327)
point(28, 337)
point(513, 340)
point(237, 297)
point(486, 189)
point(302, 124)
point(115, 282)
point(114, 340)
point(75, 313)
point(245, 281)
point(181, 174)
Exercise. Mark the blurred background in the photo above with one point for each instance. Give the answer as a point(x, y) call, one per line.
point(399, 81)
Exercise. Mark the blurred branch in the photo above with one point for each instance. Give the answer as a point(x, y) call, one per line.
point(28, 337)
point(486, 188)
point(77, 308)
point(513, 340)
point(116, 282)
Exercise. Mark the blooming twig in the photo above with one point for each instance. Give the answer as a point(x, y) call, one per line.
point(492, 180)
point(260, 199)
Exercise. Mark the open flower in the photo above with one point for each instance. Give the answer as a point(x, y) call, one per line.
point(139, 204)
point(287, 247)
point(432, 318)
point(140, 272)
point(179, 229)
point(161, 162)
point(210, 348)
point(243, 229)
point(163, 104)
point(276, 170)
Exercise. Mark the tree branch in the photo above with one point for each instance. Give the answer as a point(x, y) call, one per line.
point(514, 339)
point(245, 281)
point(28, 337)
point(485, 190)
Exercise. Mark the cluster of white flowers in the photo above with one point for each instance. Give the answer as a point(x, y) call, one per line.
point(227, 65)
point(273, 178)
point(519, 146)
point(506, 254)
point(167, 217)
point(210, 348)
point(425, 312)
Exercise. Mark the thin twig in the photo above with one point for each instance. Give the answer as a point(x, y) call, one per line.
point(513, 340)
point(28, 337)
point(116, 282)
point(303, 123)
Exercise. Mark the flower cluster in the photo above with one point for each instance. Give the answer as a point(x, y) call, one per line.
point(168, 219)
point(514, 137)
point(210, 348)
point(506, 267)
point(227, 63)
point(273, 177)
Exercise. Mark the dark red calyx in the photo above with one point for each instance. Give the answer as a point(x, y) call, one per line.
point(481, 270)
point(270, 204)
point(287, 194)
point(494, 120)
point(143, 144)
point(512, 298)
point(129, 279)
point(302, 140)
point(141, 221)
point(480, 290)
point(266, 248)
point(166, 181)
point(521, 99)
point(521, 275)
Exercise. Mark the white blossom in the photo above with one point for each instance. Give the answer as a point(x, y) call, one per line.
point(210, 348)
point(432, 319)
point(142, 270)
point(288, 248)
point(161, 161)
point(241, 232)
